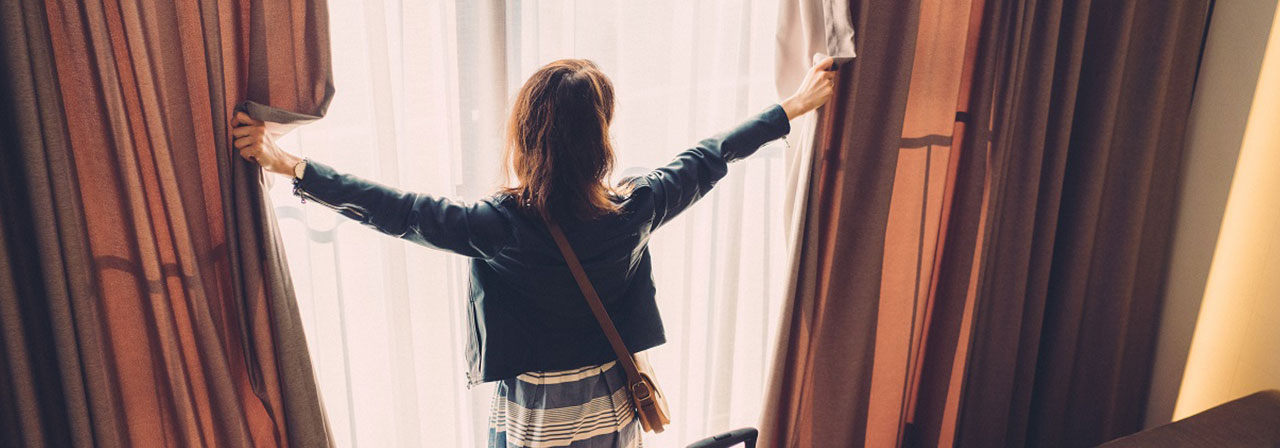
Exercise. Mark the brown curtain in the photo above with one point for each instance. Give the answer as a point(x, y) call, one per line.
point(146, 299)
point(986, 226)
point(1090, 103)
point(820, 386)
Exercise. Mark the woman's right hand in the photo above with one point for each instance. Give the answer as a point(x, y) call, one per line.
point(814, 91)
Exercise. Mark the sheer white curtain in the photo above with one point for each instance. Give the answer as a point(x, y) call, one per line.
point(423, 94)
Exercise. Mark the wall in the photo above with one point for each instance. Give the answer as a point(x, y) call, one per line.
point(1227, 122)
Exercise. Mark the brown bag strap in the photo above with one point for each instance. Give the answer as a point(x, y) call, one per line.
point(597, 308)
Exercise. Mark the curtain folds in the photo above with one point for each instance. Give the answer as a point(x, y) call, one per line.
point(42, 398)
point(821, 379)
point(146, 300)
point(985, 226)
point(1090, 108)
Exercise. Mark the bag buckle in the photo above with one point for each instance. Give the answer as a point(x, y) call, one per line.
point(641, 391)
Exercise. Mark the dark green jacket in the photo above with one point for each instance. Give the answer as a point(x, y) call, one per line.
point(525, 311)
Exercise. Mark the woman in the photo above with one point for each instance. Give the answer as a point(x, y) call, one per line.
point(531, 329)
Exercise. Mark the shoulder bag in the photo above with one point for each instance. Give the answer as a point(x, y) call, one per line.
point(650, 403)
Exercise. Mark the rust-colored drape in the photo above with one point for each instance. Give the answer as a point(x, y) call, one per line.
point(851, 336)
point(986, 226)
point(820, 388)
point(146, 299)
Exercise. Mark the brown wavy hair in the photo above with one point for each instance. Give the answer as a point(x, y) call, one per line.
point(557, 142)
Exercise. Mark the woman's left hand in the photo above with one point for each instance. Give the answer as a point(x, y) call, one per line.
point(256, 144)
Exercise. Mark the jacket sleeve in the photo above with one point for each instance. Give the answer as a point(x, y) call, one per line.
point(477, 230)
point(691, 175)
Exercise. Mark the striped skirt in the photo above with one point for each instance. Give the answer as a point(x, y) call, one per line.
point(577, 408)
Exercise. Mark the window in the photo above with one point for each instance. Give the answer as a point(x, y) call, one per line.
point(423, 89)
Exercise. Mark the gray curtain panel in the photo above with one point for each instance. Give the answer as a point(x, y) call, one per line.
point(806, 27)
point(146, 299)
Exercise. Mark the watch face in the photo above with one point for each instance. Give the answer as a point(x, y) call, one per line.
point(839, 61)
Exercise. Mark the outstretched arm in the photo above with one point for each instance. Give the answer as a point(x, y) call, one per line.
point(476, 230)
point(691, 175)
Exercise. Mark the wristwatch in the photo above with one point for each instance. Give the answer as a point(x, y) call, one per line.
point(299, 169)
